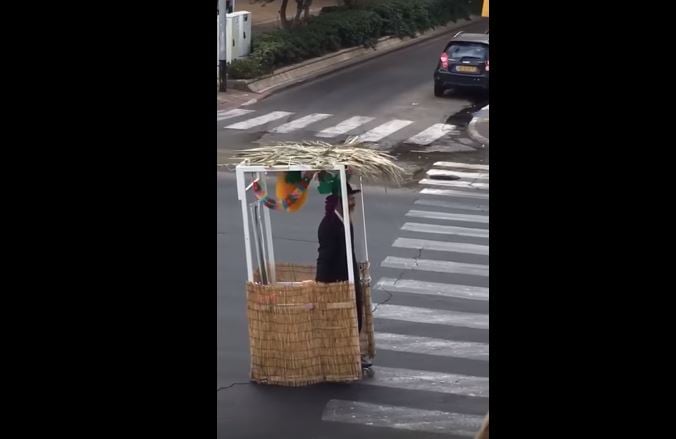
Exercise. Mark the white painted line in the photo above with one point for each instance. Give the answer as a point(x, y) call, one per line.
point(445, 230)
point(453, 193)
point(345, 126)
point(432, 316)
point(482, 219)
point(451, 205)
point(432, 346)
point(435, 266)
point(460, 174)
point(223, 115)
point(461, 165)
point(411, 379)
point(432, 288)
point(300, 123)
point(401, 418)
point(455, 247)
point(260, 120)
point(384, 130)
point(436, 131)
point(454, 183)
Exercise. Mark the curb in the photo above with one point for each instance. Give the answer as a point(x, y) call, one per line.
point(314, 68)
point(471, 129)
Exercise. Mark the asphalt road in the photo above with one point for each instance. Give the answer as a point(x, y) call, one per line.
point(389, 96)
point(406, 377)
point(428, 248)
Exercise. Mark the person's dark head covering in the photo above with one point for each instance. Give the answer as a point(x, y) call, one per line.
point(350, 191)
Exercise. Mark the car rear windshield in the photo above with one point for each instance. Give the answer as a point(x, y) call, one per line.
point(467, 50)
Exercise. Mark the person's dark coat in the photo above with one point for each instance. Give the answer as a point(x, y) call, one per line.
point(332, 260)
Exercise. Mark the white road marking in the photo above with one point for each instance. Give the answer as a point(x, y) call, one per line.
point(384, 130)
point(300, 123)
point(445, 230)
point(410, 379)
point(223, 115)
point(431, 134)
point(432, 346)
point(345, 126)
point(432, 288)
point(260, 120)
point(451, 205)
point(431, 316)
point(454, 193)
point(455, 183)
point(401, 418)
point(435, 266)
point(482, 219)
point(455, 247)
point(461, 165)
point(460, 174)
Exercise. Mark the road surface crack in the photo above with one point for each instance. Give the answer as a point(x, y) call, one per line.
point(399, 276)
point(231, 385)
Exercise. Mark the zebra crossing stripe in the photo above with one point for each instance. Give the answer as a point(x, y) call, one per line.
point(401, 418)
point(410, 286)
point(260, 120)
point(223, 115)
point(452, 183)
point(431, 316)
point(300, 123)
point(461, 165)
point(384, 130)
point(482, 219)
point(345, 126)
point(441, 246)
point(445, 230)
point(411, 379)
point(460, 174)
point(436, 131)
point(434, 265)
point(454, 193)
point(432, 346)
point(451, 205)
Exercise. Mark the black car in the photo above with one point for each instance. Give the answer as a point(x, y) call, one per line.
point(463, 63)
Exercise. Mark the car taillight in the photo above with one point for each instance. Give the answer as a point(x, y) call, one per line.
point(444, 60)
point(487, 61)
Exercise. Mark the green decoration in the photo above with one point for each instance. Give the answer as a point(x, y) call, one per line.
point(293, 177)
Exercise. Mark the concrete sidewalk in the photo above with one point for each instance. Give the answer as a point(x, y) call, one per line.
point(236, 98)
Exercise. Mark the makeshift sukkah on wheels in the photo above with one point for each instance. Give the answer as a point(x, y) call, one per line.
point(301, 331)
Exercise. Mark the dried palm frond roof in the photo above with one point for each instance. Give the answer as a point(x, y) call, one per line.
point(369, 163)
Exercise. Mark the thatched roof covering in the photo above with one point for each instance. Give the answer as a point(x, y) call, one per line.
point(369, 163)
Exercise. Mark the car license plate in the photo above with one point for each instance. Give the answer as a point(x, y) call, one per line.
point(466, 69)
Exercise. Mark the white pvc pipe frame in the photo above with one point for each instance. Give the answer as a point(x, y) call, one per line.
point(242, 188)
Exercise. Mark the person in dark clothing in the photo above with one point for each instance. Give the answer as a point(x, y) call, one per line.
point(332, 257)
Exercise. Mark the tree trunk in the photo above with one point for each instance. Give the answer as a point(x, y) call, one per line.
point(308, 3)
point(299, 11)
point(282, 14)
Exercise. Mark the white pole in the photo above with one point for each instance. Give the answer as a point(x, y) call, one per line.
point(346, 224)
point(241, 193)
point(363, 216)
point(272, 278)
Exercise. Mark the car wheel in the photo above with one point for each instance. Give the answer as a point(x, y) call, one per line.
point(438, 90)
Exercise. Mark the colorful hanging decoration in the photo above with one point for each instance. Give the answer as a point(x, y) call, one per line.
point(291, 190)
